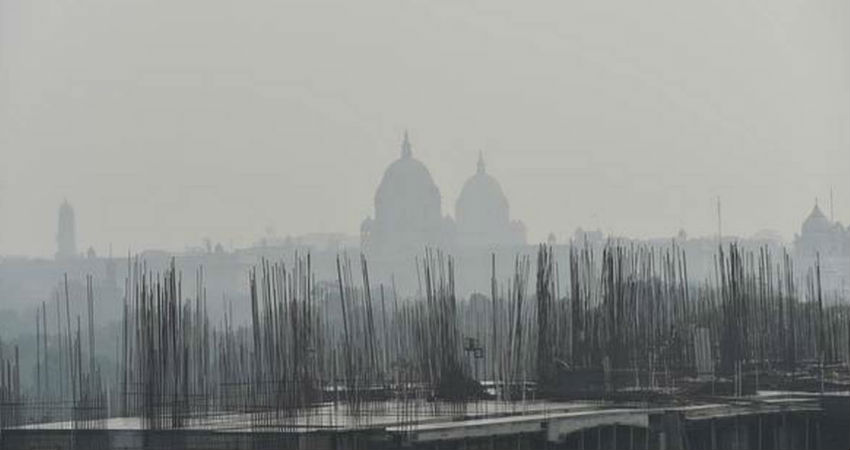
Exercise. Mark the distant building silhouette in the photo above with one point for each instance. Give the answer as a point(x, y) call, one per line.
point(483, 214)
point(821, 237)
point(66, 232)
point(409, 218)
point(408, 212)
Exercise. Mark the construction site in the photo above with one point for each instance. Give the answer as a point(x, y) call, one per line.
point(586, 350)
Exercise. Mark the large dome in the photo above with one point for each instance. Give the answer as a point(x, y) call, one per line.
point(407, 210)
point(407, 196)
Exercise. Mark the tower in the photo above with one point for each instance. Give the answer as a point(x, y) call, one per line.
point(66, 232)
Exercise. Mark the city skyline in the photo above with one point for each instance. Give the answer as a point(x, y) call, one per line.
point(67, 224)
point(422, 224)
point(585, 122)
point(274, 232)
point(590, 115)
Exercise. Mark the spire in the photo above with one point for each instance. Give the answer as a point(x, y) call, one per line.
point(831, 207)
point(816, 212)
point(405, 146)
point(481, 166)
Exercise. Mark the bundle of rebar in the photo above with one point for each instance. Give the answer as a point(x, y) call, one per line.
point(629, 320)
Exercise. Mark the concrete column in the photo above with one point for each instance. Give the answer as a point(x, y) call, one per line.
point(614, 436)
point(669, 429)
point(713, 434)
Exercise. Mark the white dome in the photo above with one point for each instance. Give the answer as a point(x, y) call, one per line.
point(483, 214)
point(481, 201)
point(407, 196)
point(407, 209)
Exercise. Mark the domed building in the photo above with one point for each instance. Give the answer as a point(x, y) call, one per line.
point(828, 241)
point(816, 223)
point(820, 235)
point(408, 214)
point(483, 215)
point(408, 219)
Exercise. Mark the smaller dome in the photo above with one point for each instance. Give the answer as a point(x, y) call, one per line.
point(816, 222)
point(481, 201)
point(483, 214)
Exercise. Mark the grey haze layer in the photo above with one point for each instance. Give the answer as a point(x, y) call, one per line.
point(168, 122)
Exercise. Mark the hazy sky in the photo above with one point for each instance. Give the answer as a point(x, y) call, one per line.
point(165, 122)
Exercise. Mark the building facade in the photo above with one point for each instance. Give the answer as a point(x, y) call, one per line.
point(827, 242)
